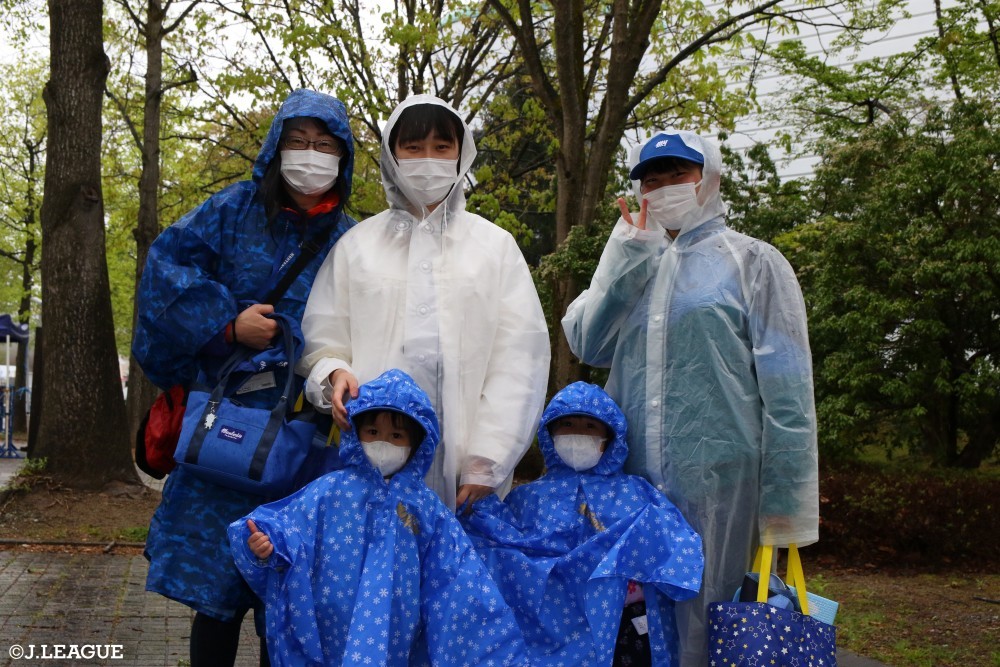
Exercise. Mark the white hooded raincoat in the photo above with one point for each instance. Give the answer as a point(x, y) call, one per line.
point(447, 297)
point(706, 339)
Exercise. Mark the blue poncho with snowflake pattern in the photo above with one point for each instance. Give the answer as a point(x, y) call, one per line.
point(367, 571)
point(563, 548)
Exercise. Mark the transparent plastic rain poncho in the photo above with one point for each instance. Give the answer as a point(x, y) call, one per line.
point(369, 571)
point(447, 297)
point(564, 547)
point(706, 339)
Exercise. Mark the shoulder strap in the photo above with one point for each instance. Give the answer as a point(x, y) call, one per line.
point(310, 248)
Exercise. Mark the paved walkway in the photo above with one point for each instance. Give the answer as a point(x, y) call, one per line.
point(94, 600)
point(98, 603)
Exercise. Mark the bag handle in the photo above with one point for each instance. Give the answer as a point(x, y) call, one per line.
point(794, 577)
point(274, 422)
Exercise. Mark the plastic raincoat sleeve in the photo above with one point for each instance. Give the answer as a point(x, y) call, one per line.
point(514, 390)
point(789, 497)
point(182, 305)
point(326, 326)
point(593, 320)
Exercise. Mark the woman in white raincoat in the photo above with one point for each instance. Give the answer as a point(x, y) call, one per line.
point(704, 330)
point(442, 294)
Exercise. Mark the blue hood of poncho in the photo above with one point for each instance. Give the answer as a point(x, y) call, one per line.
point(564, 547)
point(393, 390)
point(304, 103)
point(366, 572)
point(590, 400)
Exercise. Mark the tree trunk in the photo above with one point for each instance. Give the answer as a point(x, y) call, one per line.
point(142, 392)
point(83, 430)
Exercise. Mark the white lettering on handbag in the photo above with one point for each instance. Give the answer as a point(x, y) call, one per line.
point(232, 434)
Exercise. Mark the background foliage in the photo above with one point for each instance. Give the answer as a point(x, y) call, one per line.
point(894, 237)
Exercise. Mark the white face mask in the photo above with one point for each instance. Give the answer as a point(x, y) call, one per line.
point(579, 452)
point(673, 207)
point(387, 457)
point(430, 178)
point(309, 172)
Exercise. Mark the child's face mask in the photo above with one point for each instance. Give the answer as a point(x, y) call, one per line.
point(309, 172)
point(431, 178)
point(579, 452)
point(387, 457)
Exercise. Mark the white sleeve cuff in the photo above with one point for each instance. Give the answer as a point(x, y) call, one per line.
point(318, 389)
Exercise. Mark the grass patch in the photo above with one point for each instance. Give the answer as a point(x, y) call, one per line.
point(134, 534)
point(915, 620)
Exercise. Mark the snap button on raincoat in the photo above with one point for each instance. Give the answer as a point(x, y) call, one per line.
point(447, 297)
point(367, 571)
point(563, 548)
point(709, 355)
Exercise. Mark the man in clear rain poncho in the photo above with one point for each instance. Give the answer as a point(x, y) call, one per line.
point(442, 294)
point(704, 330)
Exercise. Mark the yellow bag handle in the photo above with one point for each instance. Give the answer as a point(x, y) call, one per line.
point(794, 577)
point(334, 435)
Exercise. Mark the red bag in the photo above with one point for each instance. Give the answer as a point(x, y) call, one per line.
point(159, 432)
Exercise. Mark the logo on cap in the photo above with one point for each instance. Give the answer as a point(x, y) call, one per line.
point(661, 144)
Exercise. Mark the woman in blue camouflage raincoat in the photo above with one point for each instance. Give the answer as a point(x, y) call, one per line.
point(199, 296)
point(374, 571)
point(565, 547)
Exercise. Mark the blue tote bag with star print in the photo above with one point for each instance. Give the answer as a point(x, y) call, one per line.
point(767, 632)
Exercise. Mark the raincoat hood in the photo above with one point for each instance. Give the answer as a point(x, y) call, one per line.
point(398, 191)
point(393, 390)
point(304, 103)
point(589, 400)
point(709, 194)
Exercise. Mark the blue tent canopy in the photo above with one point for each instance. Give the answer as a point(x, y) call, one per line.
point(17, 332)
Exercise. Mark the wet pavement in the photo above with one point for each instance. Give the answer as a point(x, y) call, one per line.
point(92, 609)
point(58, 606)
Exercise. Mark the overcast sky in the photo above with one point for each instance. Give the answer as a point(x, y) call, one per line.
point(902, 36)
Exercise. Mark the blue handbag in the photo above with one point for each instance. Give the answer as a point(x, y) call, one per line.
point(251, 449)
point(770, 631)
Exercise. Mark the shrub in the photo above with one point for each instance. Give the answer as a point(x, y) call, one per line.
point(895, 515)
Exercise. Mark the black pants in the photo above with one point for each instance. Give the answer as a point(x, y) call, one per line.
point(214, 643)
point(631, 648)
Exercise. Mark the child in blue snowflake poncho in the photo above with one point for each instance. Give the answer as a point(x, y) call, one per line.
point(366, 565)
point(576, 547)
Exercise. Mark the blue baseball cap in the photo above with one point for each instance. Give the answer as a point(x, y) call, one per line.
point(661, 146)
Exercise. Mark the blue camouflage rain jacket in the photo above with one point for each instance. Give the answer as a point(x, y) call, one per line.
point(222, 256)
point(368, 571)
point(200, 272)
point(564, 547)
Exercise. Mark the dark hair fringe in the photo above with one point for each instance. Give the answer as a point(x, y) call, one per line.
point(420, 120)
point(399, 420)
